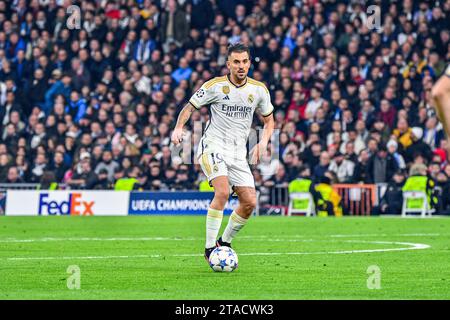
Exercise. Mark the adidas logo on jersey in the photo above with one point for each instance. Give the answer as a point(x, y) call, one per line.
point(226, 98)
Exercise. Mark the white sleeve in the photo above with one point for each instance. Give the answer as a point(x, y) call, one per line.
point(264, 103)
point(447, 71)
point(202, 96)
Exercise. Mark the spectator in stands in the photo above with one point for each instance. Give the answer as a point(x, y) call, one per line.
point(322, 166)
point(4, 166)
point(351, 136)
point(13, 176)
point(314, 103)
point(11, 137)
point(268, 165)
point(403, 133)
point(392, 146)
point(58, 166)
point(381, 166)
point(182, 180)
point(108, 164)
point(174, 25)
point(79, 73)
point(312, 153)
point(86, 179)
point(293, 165)
point(47, 181)
point(433, 132)
point(392, 200)
point(381, 129)
point(127, 181)
point(60, 86)
point(417, 146)
point(387, 113)
point(420, 181)
point(144, 47)
point(330, 202)
point(154, 177)
point(76, 107)
point(38, 168)
point(343, 168)
point(202, 15)
point(183, 72)
point(304, 183)
point(169, 181)
point(361, 172)
point(434, 169)
point(443, 182)
point(279, 181)
point(102, 182)
point(349, 152)
point(10, 105)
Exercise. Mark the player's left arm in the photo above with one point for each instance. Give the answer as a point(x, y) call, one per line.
point(269, 124)
point(441, 98)
point(261, 147)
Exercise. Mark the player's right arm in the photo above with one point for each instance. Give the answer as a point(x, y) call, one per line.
point(203, 96)
point(183, 117)
point(441, 98)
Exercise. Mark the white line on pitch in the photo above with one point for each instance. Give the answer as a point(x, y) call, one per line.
point(352, 235)
point(279, 238)
point(11, 240)
point(386, 235)
point(411, 246)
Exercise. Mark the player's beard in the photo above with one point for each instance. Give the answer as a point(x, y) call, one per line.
point(241, 75)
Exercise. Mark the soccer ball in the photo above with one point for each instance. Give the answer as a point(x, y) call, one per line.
point(223, 259)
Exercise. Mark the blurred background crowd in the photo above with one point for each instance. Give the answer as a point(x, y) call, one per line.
point(86, 107)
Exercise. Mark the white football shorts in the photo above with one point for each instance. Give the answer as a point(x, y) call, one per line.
point(215, 164)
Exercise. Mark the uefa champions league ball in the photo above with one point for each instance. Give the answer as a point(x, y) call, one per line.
point(223, 259)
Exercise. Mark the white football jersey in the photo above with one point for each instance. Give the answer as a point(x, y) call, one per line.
point(231, 110)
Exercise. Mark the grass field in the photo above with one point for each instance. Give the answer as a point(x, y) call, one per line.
point(279, 258)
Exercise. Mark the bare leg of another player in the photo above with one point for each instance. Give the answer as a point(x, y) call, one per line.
point(215, 212)
point(240, 216)
point(441, 97)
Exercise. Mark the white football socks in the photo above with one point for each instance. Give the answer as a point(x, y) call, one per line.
point(235, 223)
point(213, 222)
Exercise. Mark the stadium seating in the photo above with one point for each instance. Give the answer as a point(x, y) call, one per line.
point(304, 204)
point(416, 202)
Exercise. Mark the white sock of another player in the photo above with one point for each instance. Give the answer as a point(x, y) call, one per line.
point(235, 223)
point(213, 223)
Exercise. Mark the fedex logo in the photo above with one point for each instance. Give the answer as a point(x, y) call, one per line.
point(73, 206)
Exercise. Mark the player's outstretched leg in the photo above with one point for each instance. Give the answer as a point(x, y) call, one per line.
point(215, 213)
point(213, 223)
point(240, 216)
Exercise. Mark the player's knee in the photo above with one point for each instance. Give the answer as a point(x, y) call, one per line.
point(249, 205)
point(221, 195)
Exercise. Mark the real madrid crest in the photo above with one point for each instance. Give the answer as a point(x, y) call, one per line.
point(216, 168)
point(250, 98)
point(226, 89)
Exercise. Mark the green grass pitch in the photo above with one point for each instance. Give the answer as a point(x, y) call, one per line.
point(155, 257)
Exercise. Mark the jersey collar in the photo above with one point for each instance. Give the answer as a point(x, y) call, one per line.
point(237, 87)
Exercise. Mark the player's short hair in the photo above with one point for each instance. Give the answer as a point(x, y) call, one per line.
point(238, 47)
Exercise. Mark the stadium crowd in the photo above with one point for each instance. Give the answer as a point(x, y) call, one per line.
point(87, 106)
